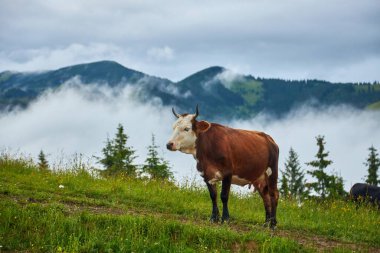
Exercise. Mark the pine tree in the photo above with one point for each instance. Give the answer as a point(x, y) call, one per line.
point(373, 163)
point(107, 151)
point(335, 186)
point(284, 188)
point(320, 165)
point(43, 164)
point(326, 185)
point(155, 166)
point(123, 155)
point(118, 157)
point(295, 176)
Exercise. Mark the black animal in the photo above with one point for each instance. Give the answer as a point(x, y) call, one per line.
point(364, 192)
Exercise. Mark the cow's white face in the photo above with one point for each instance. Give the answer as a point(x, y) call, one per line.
point(183, 137)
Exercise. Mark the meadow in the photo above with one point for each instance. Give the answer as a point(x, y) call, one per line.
point(74, 210)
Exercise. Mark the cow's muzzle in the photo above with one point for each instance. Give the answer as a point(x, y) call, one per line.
point(170, 146)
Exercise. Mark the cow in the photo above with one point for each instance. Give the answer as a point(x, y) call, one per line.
point(365, 192)
point(232, 156)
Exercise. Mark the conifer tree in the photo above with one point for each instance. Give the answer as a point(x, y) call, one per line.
point(320, 165)
point(43, 164)
point(284, 188)
point(373, 163)
point(326, 185)
point(107, 151)
point(295, 176)
point(123, 155)
point(118, 157)
point(335, 186)
point(156, 166)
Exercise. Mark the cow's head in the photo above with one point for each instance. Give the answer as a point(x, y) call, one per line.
point(185, 131)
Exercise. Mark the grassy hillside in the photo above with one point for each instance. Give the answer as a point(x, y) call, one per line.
point(374, 106)
point(72, 211)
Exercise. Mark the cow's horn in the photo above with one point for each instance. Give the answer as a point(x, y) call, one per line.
point(175, 114)
point(196, 112)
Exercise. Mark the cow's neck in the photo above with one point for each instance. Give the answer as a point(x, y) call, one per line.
point(191, 151)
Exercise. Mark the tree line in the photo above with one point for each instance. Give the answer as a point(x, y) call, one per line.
point(294, 185)
point(118, 159)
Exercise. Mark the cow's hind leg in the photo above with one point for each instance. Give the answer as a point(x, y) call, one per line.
point(213, 195)
point(226, 185)
point(273, 193)
point(262, 188)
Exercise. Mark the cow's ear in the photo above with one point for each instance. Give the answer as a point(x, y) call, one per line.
point(202, 126)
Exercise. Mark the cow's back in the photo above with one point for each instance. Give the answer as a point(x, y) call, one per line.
point(364, 191)
point(247, 154)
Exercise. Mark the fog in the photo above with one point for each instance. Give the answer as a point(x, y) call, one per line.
point(78, 119)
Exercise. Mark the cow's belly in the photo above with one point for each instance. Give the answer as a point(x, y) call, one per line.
point(234, 180)
point(239, 181)
point(217, 176)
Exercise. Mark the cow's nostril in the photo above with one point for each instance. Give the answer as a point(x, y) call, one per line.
point(169, 145)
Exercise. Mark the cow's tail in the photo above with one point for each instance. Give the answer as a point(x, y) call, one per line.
point(274, 153)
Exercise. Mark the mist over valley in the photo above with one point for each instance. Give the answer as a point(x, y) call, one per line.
point(74, 110)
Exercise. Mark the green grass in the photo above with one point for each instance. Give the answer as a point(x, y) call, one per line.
point(92, 214)
point(251, 91)
point(374, 106)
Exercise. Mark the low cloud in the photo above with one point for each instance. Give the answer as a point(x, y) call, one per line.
point(161, 53)
point(228, 77)
point(78, 118)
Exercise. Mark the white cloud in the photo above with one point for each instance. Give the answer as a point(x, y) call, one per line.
point(48, 58)
point(72, 121)
point(227, 77)
point(161, 53)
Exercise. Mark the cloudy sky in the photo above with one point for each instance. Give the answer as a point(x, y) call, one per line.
point(337, 40)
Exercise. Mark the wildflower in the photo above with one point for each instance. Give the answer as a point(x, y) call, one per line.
point(61, 186)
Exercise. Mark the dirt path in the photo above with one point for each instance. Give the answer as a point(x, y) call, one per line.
point(321, 243)
point(317, 242)
point(304, 238)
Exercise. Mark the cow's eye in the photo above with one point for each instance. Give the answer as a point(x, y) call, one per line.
point(187, 129)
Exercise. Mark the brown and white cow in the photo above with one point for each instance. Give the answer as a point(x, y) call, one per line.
point(232, 156)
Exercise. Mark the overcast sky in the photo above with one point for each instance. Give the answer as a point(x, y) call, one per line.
point(336, 40)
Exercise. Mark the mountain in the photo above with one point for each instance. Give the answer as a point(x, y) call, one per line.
point(219, 92)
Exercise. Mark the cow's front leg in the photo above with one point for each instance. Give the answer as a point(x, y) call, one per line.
point(213, 196)
point(226, 185)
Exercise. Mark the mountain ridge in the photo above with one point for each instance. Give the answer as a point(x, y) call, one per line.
point(217, 90)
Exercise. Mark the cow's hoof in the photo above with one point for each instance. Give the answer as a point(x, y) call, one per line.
point(273, 223)
point(266, 224)
point(214, 219)
point(226, 219)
